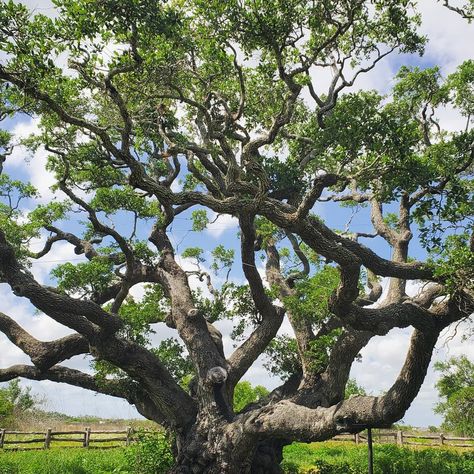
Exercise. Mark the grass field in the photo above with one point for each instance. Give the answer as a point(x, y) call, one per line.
point(316, 458)
point(346, 458)
point(67, 460)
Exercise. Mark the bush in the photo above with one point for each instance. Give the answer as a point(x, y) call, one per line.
point(151, 453)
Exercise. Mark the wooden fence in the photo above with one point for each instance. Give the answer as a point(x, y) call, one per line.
point(89, 438)
point(86, 438)
point(409, 439)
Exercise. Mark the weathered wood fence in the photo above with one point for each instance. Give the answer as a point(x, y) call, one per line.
point(86, 438)
point(89, 438)
point(409, 439)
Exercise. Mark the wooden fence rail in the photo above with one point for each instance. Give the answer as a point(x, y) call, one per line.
point(408, 439)
point(87, 438)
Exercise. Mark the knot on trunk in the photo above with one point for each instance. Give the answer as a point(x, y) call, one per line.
point(217, 375)
point(18, 290)
point(193, 312)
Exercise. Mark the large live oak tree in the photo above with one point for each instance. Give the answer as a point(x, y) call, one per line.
point(152, 110)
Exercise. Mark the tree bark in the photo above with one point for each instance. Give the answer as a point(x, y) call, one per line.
point(212, 448)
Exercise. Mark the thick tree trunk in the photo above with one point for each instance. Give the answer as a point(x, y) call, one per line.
point(215, 450)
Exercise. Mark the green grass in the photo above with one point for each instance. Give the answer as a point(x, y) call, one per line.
point(315, 458)
point(346, 458)
point(65, 461)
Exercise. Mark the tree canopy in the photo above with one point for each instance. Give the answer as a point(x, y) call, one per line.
point(456, 388)
point(154, 111)
point(15, 401)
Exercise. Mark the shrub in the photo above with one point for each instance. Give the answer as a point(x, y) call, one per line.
point(151, 453)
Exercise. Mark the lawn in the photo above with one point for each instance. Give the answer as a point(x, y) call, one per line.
point(315, 458)
point(65, 460)
point(346, 458)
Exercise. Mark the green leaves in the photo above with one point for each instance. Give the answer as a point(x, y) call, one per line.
point(320, 350)
point(222, 258)
point(244, 394)
point(311, 299)
point(18, 230)
point(461, 86)
point(172, 354)
point(283, 360)
point(15, 401)
point(456, 387)
point(353, 389)
point(194, 253)
point(200, 220)
point(87, 277)
point(112, 200)
point(455, 263)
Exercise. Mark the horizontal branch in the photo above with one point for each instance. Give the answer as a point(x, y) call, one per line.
point(289, 419)
point(43, 354)
point(80, 315)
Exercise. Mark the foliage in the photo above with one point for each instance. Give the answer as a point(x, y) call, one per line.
point(282, 357)
point(456, 388)
point(353, 389)
point(244, 394)
point(151, 453)
point(15, 402)
point(171, 353)
point(456, 263)
point(311, 297)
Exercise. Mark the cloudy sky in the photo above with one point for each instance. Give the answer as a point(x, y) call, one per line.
point(450, 43)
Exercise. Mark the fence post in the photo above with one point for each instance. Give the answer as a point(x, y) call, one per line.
point(357, 438)
point(441, 439)
point(370, 451)
point(47, 439)
point(400, 438)
point(2, 437)
point(129, 436)
point(87, 437)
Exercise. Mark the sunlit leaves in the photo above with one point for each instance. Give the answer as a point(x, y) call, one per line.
point(461, 84)
point(310, 301)
point(200, 220)
point(455, 263)
point(456, 388)
point(112, 200)
point(87, 277)
point(244, 394)
point(17, 229)
point(222, 258)
point(320, 350)
point(138, 314)
point(194, 253)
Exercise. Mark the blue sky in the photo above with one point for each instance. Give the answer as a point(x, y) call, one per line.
point(451, 40)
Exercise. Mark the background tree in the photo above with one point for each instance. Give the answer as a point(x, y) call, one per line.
point(456, 387)
point(154, 111)
point(245, 394)
point(15, 402)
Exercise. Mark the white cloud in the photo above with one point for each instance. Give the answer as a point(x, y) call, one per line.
point(221, 223)
point(61, 252)
point(450, 36)
point(32, 165)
